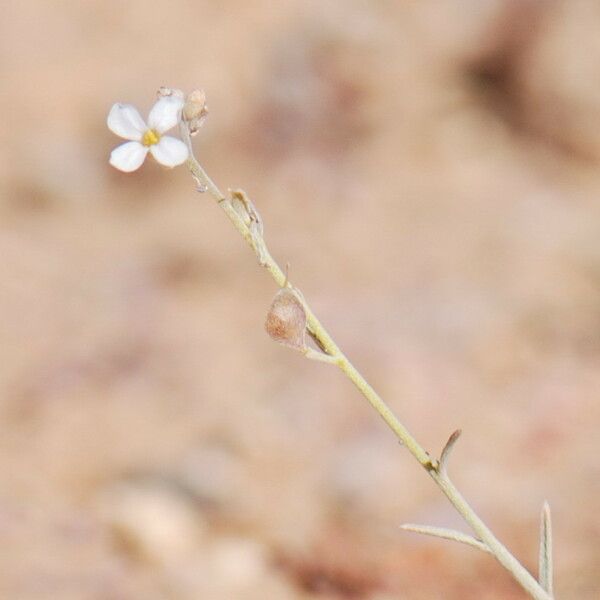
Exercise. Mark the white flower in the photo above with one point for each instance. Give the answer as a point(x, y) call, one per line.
point(126, 122)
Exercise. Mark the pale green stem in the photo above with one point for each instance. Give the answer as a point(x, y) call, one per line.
point(326, 342)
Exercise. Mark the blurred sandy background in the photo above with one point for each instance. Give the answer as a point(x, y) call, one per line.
point(431, 171)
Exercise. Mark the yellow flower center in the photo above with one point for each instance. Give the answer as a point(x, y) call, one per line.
point(150, 138)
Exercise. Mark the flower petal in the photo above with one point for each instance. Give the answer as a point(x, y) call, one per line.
point(170, 151)
point(125, 121)
point(165, 113)
point(128, 156)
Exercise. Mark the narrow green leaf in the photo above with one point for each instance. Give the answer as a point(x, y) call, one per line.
point(447, 534)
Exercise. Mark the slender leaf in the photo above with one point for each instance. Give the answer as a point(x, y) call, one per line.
point(447, 534)
point(446, 451)
point(546, 567)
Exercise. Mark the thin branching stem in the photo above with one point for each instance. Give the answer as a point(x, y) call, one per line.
point(330, 348)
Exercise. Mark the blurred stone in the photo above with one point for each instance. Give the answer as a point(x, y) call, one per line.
point(560, 77)
point(239, 561)
point(153, 522)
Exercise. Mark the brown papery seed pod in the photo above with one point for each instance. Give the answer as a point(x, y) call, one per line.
point(195, 110)
point(286, 320)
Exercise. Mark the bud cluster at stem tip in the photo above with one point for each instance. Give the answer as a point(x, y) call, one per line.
point(195, 110)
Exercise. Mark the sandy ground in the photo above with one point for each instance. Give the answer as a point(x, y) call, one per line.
point(430, 171)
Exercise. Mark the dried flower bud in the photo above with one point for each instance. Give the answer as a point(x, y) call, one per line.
point(286, 320)
point(195, 105)
point(166, 92)
point(195, 111)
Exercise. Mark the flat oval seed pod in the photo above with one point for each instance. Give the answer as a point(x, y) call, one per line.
point(286, 320)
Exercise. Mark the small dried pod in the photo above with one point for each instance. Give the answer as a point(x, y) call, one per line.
point(286, 319)
point(195, 110)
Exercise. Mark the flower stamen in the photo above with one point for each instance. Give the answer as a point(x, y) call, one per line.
point(150, 137)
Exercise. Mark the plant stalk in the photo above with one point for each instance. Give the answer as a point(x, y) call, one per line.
point(328, 345)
